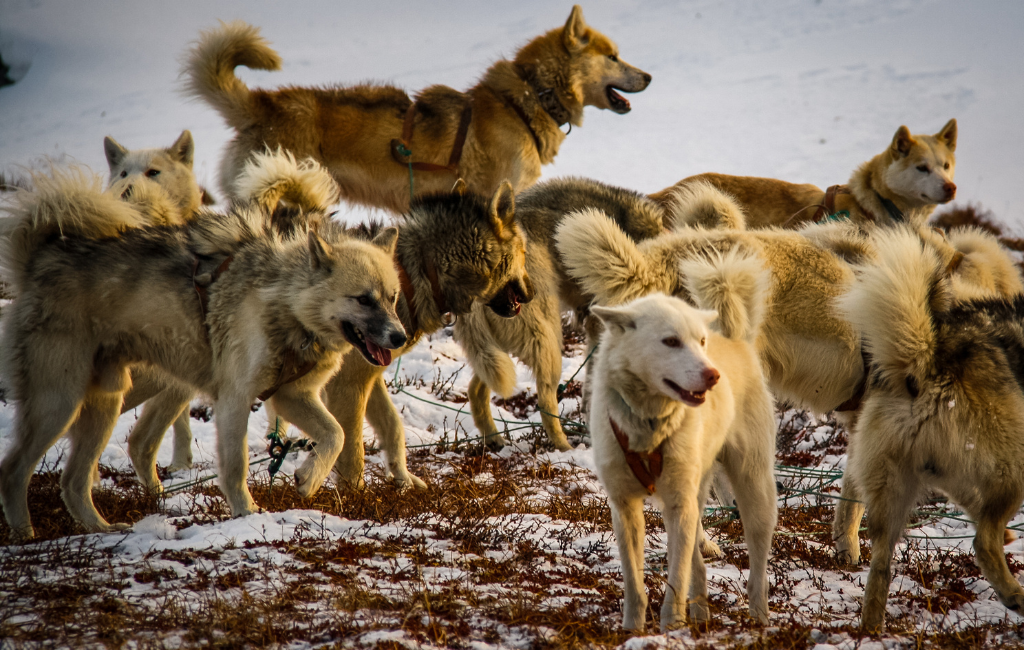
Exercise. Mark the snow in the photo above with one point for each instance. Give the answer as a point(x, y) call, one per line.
point(795, 89)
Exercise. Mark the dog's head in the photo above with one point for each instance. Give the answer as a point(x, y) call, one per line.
point(351, 294)
point(169, 169)
point(477, 248)
point(922, 166)
point(662, 341)
point(583, 67)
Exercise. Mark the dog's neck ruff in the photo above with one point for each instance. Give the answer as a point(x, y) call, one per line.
point(409, 291)
point(894, 213)
point(646, 466)
point(546, 97)
point(293, 367)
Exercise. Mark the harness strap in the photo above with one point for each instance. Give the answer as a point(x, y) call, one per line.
point(435, 287)
point(526, 120)
point(202, 281)
point(406, 284)
point(402, 153)
point(646, 466)
point(895, 213)
point(828, 207)
point(290, 371)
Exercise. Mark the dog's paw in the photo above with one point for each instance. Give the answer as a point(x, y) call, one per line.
point(1015, 602)
point(699, 610)
point(177, 466)
point(848, 556)
point(709, 549)
point(309, 477)
point(495, 442)
point(405, 481)
point(560, 442)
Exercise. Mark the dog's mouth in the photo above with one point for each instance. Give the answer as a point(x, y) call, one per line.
point(685, 396)
point(372, 352)
point(617, 102)
point(508, 302)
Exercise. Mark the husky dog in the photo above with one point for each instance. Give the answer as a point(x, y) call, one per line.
point(535, 337)
point(170, 168)
point(454, 252)
point(504, 128)
point(669, 396)
point(901, 184)
point(945, 408)
point(110, 293)
point(297, 195)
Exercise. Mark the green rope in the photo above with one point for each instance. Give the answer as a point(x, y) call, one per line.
point(561, 387)
point(404, 151)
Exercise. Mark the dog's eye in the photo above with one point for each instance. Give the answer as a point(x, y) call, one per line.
point(946, 166)
point(922, 168)
point(672, 342)
point(365, 300)
point(703, 342)
point(152, 173)
point(124, 174)
point(614, 57)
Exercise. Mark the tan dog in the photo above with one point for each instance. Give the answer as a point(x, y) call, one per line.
point(504, 128)
point(901, 184)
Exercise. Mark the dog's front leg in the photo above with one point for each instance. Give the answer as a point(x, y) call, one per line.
point(385, 421)
point(628, 524)
point(682, 518)
point(303, 408)
point(232, 418)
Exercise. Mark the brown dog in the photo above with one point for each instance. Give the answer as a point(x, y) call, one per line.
point(901, 184)
point(504, 128)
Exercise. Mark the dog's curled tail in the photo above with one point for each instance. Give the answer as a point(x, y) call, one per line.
point(275, 176)
point(986, 269)
point(892, 303)
point(604, 260)
point(63, 202)
point(210, 68)
point(701, 204)
point(734, 284)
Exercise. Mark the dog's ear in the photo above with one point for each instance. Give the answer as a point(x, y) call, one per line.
point(459, 187)
point(901, 142)
point(319, 252)
point(575, 36)
point(183, 148)
point(948, 134)
point(115, 152)
point(620, 318)
point(386, 239)
point(503, 210)
point(707, 315)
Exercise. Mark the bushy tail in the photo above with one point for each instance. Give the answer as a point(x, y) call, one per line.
point(210, 68)
point(892, 302)
point(604, 260)
point(703, 205)
point(274, 176)
point(986, 270)
point(63, 202)
point(736, 285)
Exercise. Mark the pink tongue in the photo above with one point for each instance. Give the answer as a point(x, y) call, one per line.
point(382, 355)
point(615, 95)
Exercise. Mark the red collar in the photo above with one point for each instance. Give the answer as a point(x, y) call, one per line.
point(646, 466)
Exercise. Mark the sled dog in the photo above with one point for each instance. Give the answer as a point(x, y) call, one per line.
point(456, 252)
point(111, 292)
point(535, 337)
point(945, 408)
point(171, 168)
point(669, 397)
point(902, 184)
point(504, 128)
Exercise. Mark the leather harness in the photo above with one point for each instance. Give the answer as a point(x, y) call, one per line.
point(401, 152)
point(646, 466)
point(405, 282)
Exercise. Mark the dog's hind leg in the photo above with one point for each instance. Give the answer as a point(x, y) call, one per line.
point(543, 354)
point(158, 413)
point(306, 411)
point(628, 524)
point(181, 457)
point(846, 525)
point(51, 401)
point(385, 421)
point(988, 548)
point(89, 436)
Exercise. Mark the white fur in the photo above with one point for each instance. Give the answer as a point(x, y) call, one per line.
point(274, 176)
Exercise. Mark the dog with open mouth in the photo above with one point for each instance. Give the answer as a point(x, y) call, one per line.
point(272, 320)
point(674, 389)
point(504, 128)
point(457, 253)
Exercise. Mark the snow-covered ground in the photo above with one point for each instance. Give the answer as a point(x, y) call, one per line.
point(795, 89)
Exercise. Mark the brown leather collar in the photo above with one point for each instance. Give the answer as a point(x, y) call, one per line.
point(408, 292)
point(435, 287)
point(402, 153)
point(526, 120)
point(546, 97)
point(646, 466)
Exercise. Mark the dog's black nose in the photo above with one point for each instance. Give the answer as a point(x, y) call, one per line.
point(397, 340)
point(647, 78)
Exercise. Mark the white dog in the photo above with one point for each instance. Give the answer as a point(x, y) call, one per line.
point(669, 398)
